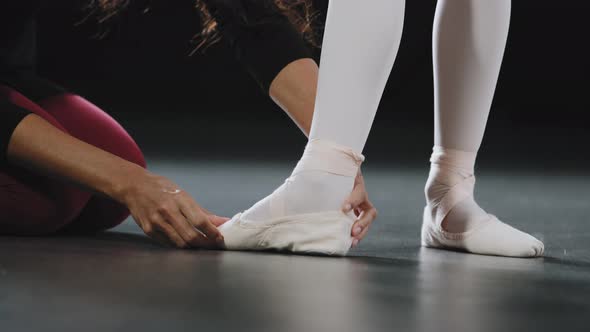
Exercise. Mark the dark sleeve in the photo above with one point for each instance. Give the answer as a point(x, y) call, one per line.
point(10, 116)
point(263, 39)
point(28, 83)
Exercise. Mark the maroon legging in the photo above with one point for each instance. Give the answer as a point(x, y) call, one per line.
point(32, 204)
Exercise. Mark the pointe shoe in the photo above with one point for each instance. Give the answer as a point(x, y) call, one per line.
point(490, 237)
point(271, 225)
point(452, 183)
point(324, 233)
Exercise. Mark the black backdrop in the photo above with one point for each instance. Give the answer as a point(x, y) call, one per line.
point(142, 69)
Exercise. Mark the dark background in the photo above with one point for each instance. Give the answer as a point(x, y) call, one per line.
point(206, 106)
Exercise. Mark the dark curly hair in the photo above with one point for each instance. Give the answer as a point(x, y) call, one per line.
point(106, 9)
point(299, 12)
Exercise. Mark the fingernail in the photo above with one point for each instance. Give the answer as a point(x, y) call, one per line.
point(355, 243)
point(219, 239)
point(357, 230)
point(347, 207)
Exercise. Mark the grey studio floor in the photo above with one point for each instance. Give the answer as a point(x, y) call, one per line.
point(121, 281)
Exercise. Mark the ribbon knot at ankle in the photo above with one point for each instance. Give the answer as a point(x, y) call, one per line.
point(462, 161)
point(320, 155)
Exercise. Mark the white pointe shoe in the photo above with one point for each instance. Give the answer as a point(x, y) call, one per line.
point(482, 240)
point(325, 233)
point(490, 237)
point(279, 228)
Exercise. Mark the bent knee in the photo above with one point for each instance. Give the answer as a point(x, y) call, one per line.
point(92, 125)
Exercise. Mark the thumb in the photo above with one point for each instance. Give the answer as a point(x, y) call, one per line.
point(217, 220)
point(354, 200)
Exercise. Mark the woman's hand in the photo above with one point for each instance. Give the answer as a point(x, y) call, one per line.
point(161, 209)
point(359, 202)
point(168, 214)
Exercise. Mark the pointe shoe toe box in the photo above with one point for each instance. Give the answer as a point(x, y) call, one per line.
point(493, 237)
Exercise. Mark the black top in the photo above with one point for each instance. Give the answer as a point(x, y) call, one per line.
point(17, 35)
point(263, 40)
point(17, 51)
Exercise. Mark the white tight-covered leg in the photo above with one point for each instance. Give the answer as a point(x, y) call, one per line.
point(468, 42)
point(303, 215)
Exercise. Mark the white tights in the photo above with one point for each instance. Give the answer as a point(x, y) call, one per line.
point(354, 69)
point(358, 52)
point(469, 38)
point(359, 49)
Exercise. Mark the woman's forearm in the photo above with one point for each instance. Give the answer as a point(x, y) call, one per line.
point(294, 90)
point(160, 208)
point(38, 145)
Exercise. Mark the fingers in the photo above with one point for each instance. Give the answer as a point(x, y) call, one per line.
point(210, 231)
point(362, 234)
point(358, 194)
point(157, 226)
point(357, 197)
point(172, 235)
point(183, 228)
point(217, 220)
point(366, 219)
point(162, 239)
point(198, 219)
point(357, 241)
point(361, 227)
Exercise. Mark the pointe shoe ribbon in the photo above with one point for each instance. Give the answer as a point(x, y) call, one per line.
point(335, 159)
point(456, 194)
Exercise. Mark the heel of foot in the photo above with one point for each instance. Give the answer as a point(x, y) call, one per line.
point(428, 236)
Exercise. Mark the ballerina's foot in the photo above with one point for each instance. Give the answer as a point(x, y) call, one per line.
point(303, 215)
point(453, 220)
point(490, 237)
point(324, 233)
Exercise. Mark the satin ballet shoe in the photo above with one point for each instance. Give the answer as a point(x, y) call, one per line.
point(323, 233)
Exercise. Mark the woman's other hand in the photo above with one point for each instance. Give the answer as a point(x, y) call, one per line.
point(366, 213)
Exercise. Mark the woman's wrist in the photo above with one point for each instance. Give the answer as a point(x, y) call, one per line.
point(124, 182)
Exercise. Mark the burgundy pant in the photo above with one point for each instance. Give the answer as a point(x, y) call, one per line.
point(33, 204)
